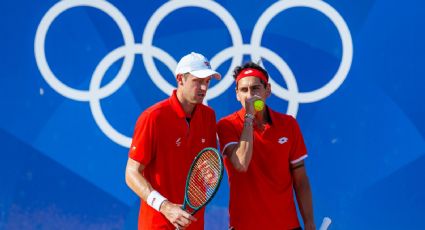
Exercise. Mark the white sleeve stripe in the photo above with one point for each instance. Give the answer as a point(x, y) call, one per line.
point(227, 145)
point(299, 159)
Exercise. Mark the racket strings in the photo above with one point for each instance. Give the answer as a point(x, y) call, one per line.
point(204, 189)
point(204, 178)
point(199, 192)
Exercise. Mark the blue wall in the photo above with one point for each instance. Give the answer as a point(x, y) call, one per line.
point(76, 75)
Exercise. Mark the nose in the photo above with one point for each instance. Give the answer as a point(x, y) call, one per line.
point(251, 94)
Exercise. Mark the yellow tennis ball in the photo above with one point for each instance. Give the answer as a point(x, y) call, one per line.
point(258, 105)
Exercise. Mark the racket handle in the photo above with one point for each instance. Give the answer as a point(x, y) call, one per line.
point(325, 224)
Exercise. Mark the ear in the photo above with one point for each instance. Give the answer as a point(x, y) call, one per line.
point(268, 90)
point(179, 79)
point(237, 94)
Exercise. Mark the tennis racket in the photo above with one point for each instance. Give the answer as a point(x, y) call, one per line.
point(203, 180)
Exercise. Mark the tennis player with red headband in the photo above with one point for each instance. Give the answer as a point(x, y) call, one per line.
point(264, 157)
point(166, 139)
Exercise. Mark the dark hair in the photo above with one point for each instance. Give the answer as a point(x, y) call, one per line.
point(251, 65)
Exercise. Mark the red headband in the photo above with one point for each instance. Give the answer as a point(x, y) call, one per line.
point(250, 72)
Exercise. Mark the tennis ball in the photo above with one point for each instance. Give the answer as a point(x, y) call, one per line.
point(258, 105)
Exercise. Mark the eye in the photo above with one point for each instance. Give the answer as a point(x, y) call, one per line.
point(255, 87)
point(244, 90)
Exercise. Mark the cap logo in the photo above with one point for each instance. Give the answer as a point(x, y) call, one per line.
point(248, 72)
point(207, 64)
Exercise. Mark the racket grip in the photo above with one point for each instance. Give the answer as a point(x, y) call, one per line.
point(325, 224)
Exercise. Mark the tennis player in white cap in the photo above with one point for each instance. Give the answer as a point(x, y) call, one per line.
point(166, 139)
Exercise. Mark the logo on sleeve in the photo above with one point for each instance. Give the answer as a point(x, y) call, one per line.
point(282, 140)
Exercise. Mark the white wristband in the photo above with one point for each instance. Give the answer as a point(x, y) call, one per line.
point(155, 200)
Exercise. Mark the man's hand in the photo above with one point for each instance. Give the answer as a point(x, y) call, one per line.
point(309, 226)
point(176, 215)
point(249, 104)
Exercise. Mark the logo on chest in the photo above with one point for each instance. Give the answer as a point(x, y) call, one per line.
point(178, 142)
point(282, 140)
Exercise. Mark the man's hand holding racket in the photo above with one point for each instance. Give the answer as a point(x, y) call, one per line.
point(176, 215)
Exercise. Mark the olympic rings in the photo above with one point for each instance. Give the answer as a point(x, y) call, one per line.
point(128, 51)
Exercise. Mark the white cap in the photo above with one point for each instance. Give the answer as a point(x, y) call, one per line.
point(197, 65)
